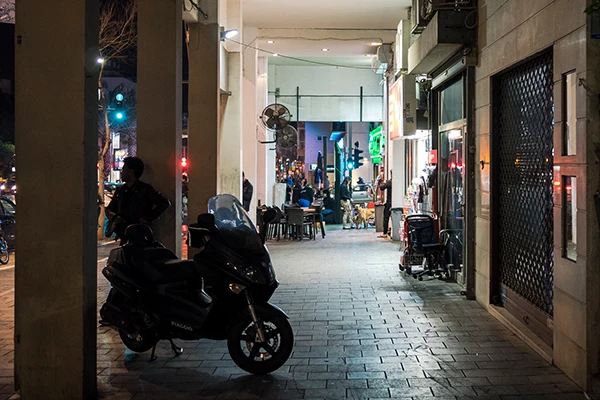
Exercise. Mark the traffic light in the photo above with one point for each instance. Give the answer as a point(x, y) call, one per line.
point(184, 163)
point(119, 112)
point(358, 159)
point(350, 164)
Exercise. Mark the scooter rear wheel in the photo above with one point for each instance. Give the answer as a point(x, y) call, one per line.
point(137, 342)
point(133, 341)
point(256, 357)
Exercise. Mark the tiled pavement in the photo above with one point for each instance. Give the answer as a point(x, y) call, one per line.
point(362, 331)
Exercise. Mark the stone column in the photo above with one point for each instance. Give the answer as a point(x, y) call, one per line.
point(203, 108)
point(398, 164)
point(57, 136)
point(262, 191)
point(159, 109)
point(249, 141)
point(230, 137)
point(266, 156)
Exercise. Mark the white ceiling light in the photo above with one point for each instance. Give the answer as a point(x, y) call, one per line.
point(376, 43)
point(275, 54)
point(270, 41)
point(325, 49)
point(229, 34)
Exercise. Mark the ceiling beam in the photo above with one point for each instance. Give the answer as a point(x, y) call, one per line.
point(383, 35)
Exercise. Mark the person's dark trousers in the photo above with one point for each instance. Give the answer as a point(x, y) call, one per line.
point(387, 213)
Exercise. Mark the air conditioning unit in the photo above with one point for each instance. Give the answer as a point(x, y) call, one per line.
point(383, 59)
point(384, 54)
point(422, 11)
point(419, 16)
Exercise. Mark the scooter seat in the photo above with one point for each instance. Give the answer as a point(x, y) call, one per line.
point(176, 270)
point(160, 265)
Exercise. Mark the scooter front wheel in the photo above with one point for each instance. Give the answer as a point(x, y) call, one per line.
point(253, 355)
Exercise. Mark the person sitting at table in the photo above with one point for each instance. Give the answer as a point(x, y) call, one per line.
point(307, 195)
point(296, 192)
point(328, 205)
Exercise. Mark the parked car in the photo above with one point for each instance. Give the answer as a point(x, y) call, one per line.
point(8, 188)
point(362, 194)
point(8, 211)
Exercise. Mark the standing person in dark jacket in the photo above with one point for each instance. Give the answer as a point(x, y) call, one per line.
point(345, 199)
point(387, 186)
point(135, 202)
point(246, 192)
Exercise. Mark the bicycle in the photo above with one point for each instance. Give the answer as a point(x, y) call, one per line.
point(4, 254)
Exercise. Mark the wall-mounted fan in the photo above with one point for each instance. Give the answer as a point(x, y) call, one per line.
point(287, 143)
point(275, 116)
point(287, 137)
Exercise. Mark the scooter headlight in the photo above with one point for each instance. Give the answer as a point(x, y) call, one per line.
point(249, 272)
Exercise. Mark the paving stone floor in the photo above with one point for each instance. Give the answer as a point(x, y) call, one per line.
point(362, 331)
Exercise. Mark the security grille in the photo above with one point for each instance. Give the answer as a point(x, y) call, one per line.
point(524, 120)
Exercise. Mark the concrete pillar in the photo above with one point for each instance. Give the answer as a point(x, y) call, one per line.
point(262, 149)
point(56, 139)
point(159, 109)
point(250, 120)
point(398, 165)
point(203, 106)
point(266, 153)
point(230, 138)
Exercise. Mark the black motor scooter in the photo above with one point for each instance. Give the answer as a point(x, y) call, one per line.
point(222, 294)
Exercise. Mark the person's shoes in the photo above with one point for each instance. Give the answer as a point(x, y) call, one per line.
point(345, 228)
point(382, 236)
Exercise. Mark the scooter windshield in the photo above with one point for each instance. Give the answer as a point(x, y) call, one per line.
point(234, 224)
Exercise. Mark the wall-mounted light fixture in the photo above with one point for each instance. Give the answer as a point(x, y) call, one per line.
point(228, 34)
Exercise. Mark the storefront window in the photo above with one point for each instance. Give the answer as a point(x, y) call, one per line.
point(451, 103)
point(570, 217)
point(569, 114)
point(452, 188)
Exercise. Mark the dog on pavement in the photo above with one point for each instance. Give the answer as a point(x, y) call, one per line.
point(362, 216)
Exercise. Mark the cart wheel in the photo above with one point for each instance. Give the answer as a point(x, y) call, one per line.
point(463, 293)
point(408, 269)
point(420, 278)
point(401, 267)
point(414, 276)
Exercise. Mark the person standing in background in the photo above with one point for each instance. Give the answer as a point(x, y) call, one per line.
point(345, 199)
point(247, 191)
point(387, 213)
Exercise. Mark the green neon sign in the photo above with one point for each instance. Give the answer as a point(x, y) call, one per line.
point(376, 142)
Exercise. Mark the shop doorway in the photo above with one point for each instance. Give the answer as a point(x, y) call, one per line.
point(453, 114)
point(523, 207)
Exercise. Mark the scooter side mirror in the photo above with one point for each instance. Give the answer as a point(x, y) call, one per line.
point(204, 227)
point(206, 221)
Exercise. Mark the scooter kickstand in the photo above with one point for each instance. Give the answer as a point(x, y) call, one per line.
point(153, 355)
point(176, 350)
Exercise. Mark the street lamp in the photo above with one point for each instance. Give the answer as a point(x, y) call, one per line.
point(100, 60)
